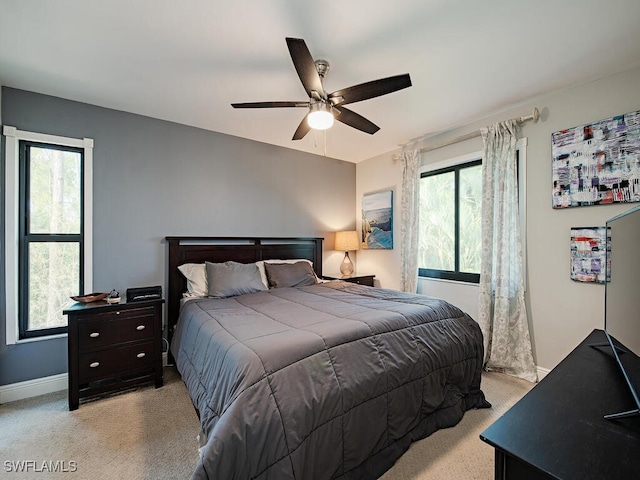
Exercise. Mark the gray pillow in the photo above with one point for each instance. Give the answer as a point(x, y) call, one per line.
point(232, 278)
point(296, 274)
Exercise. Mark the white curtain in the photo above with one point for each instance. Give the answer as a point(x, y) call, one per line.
point(502, 313)
point(409, 220)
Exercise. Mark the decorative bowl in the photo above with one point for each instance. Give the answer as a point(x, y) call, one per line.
point(90, 297)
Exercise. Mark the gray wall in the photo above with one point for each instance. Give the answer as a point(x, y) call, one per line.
point(153, 179)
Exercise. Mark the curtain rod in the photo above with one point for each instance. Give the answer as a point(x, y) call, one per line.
point(535, 116)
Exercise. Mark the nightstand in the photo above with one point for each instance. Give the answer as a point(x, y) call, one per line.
point(354, 278)
point(113, 347)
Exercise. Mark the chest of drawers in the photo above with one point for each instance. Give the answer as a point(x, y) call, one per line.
point(113, 347)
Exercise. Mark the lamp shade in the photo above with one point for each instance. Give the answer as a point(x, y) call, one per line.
point(347, 241)
point(320, 116)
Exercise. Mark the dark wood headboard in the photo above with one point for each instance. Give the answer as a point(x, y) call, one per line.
point(238, 249)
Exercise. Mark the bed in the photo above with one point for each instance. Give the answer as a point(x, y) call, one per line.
point(327, 380)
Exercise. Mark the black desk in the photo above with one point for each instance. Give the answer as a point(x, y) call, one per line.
point(558, 431)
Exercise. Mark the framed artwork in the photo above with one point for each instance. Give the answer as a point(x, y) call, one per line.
point(377, 220)
point(588, 254)
point(597, 163)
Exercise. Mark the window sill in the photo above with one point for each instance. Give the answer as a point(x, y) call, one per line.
point(36, 339)
point(444, 280)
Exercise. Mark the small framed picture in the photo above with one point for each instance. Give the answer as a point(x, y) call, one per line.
point(377, 220)
point(588, 254)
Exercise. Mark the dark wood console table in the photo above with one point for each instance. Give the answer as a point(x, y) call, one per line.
point(558, 430)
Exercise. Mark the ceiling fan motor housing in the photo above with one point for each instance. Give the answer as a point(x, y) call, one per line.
point(322, 66)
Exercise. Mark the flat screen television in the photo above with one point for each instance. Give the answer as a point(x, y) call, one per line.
point(622, 300)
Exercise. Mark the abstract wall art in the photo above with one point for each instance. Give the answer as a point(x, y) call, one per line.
point(597, 163)
point(588, 254)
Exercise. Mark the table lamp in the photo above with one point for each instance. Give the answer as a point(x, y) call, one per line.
point(347, 241)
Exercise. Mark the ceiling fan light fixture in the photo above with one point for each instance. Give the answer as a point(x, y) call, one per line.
point(325, 107)
point(320, 116)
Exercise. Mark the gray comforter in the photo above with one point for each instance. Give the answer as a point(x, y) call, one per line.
point(333, 380)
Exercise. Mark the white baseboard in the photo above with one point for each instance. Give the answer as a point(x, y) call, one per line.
point(40, 386)
point(55, 383)
point(33, 388)
point(542, 372)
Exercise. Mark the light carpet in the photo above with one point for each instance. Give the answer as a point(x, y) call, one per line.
point(152, 434)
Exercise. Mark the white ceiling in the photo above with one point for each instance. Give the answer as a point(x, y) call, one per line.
point(187, 60)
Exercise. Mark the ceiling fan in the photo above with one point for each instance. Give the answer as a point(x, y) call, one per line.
point(325, 107)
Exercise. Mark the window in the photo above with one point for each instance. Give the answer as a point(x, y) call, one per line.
point(450, 222)
point(48, 230)
point(450, 238)
point(51, 235)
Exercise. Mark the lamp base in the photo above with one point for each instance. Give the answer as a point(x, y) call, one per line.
point(346, 267)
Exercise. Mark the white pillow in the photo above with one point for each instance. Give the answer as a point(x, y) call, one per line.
point(263, 273)
point(196, 276)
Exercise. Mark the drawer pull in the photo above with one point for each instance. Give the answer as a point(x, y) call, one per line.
point(141, 355)
point(94, 334)
point(94, 364)
point(118, 313)
point(140, 327)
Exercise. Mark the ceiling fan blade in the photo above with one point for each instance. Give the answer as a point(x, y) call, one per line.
point(302, 130)
point(305, 66)
point(270, 104)
point(351, 118)
point(372, 89)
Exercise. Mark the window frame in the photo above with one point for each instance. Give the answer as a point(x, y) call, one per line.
point(13, 136)
point(455, 274)
point(27, 237)
point(521, 147)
